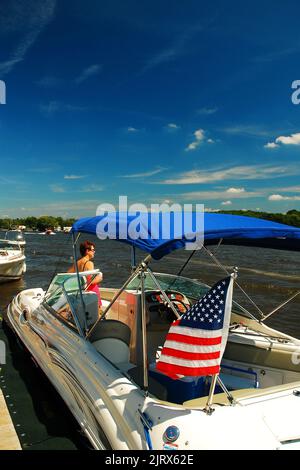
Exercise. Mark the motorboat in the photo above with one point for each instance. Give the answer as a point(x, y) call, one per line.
point(12, 256)
point(106, 367)
point(48, 231)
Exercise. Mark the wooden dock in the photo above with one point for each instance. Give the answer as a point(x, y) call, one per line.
point(8, 436)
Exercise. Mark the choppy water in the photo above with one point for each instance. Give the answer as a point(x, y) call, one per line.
point(269, 276)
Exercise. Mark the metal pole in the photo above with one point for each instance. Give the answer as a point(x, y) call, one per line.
point(116, 296)
point(282, 305)
point(144, 332)
point(143, 264)
point(208, 407)
point(78, 279)
point(170, 303)
point(229, 396)
point(133, 258)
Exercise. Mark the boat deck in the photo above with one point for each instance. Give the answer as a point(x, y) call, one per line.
point(8, 436)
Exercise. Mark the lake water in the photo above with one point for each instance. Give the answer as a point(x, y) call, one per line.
point(268, 276)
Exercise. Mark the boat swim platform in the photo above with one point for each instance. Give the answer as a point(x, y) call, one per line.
point(8, 436)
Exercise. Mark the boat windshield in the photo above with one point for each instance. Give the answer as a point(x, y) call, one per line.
point(61, 284)
point(67, 298)
point(5, 246)
point(191, 288)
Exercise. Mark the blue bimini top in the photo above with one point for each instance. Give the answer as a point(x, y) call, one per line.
point(152, 228)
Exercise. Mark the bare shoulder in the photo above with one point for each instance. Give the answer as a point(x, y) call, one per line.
point(89, 266)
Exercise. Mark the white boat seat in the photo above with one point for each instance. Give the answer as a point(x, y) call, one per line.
point(112, 338)
point(91, 312)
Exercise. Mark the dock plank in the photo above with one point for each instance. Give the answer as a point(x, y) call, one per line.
point(8, 436)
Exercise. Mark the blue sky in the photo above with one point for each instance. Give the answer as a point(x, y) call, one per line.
point(186, 102)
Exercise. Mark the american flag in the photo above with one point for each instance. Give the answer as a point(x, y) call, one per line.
point(195, 343)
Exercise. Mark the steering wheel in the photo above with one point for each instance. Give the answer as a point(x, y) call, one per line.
point(168, 314)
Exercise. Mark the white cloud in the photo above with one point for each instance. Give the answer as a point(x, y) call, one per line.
point(235, 190)
point(200, 136)
point(271, 145)
point(30, 18)
point(173, 127)
point(74, 177)
point(279, 197)
point(210, 141)
point(132, 129)
point(90, 71)
point(226, 203)
point(293, 139)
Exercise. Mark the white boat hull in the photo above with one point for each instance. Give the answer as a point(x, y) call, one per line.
point(107, 403)
point(12, 267)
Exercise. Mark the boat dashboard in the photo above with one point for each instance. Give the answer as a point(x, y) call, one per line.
point(158, 308)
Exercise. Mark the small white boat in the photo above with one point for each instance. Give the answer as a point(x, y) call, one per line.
point(106, 369)
point(12, 256)
point(49, 231)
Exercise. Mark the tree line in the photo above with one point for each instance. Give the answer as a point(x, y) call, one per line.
point(291, 217)
point(36, 223)
point(44, 222)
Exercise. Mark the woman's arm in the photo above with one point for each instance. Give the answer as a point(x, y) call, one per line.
point(90, 267)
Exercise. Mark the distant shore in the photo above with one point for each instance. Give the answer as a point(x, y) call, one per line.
point(292, 217)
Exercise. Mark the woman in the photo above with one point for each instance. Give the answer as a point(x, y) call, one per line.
point(85, 263)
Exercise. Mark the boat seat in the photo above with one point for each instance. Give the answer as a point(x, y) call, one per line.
point(91, 312)
point(112, 338)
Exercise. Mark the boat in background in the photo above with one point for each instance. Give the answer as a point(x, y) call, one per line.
point(12, 256)
point(105, 369)
point(48, 231)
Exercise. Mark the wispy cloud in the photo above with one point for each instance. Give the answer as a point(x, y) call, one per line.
point(57, 188)
point(277, 54)
point(247, 130)
point(210, 195)
point(49, 82)
point(88, 72)
point(279, 197)
point(132, 129)
point(234, 173)
point(146, 174)
point(74, 177)
point(206, 111)
point(174, 50)
point(54, 107)
point(29, 18)
point(92, 188)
